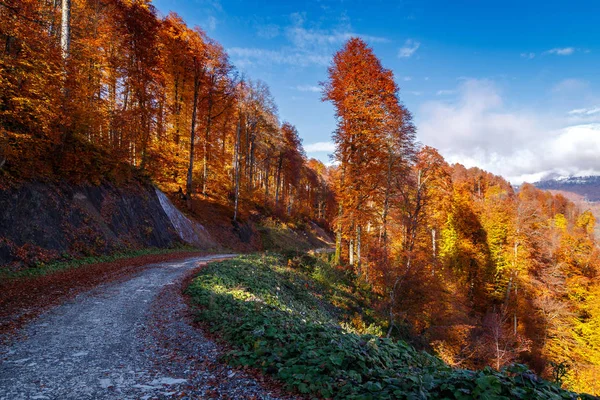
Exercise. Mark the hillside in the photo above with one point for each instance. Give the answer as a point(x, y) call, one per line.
point(583, 203)
point(41, 223)
point(307, 324)
point(44, 223)
point(583, 191)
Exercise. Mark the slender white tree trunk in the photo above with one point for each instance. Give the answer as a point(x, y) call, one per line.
point(237, 167)
point(65, 31)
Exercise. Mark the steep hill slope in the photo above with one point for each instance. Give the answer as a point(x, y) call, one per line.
point(41, 222)
point(306, 324)
point(44, 222)
point(583, 191)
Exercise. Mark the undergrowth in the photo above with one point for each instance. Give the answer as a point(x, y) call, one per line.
point(295, 317)
point(281, 237)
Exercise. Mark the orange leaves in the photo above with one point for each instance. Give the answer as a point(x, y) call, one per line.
point(148, 92)
point(30, 70)
point(374, 140)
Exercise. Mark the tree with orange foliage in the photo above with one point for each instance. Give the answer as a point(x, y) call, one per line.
point(418, 197)
point(371, 128)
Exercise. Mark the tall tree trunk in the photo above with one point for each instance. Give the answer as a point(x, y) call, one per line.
point(433, 243)
point(65, 46)
point(338, 238)
point(206, 138)
point(189, 184)
point(65, 31)
point(237, 168)
point(252, 149)
point(266, 179)
point(290, 200)
point(112, 107)
point(338, 233)
point(358, 246)
point(278, 180)
point(386, 202)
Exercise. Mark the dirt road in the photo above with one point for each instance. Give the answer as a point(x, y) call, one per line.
point(125, 340)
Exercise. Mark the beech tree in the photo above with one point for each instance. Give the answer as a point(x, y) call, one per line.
point(65, 30)
point(373, 134)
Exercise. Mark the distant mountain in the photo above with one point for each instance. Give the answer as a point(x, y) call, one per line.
point(586, 186)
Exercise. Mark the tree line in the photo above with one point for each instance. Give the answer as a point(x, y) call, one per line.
point(463, 264)
point(84, 76)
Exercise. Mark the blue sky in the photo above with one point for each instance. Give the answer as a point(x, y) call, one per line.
point(510, 86)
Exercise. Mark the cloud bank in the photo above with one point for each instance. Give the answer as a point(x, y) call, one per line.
point(308, 88)
point(564, 51)
point(320, 147)
point(478, 129)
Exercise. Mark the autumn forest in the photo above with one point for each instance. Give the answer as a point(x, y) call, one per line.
point(458, 261)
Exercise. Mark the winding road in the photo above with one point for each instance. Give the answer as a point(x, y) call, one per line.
point(126, 340)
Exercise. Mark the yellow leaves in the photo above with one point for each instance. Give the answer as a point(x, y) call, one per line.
point(585, 355)
point(586, 221)
point(495, 193)
point(560, 222)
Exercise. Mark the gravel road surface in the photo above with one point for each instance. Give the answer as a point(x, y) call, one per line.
point(126, 340)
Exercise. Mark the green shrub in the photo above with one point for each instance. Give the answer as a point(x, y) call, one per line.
point(280, 320)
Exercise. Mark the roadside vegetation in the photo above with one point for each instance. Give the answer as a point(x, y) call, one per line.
point(309, 325)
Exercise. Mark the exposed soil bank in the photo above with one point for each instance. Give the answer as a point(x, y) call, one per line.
point(40, 222)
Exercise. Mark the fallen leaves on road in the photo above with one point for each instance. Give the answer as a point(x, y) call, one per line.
point(22, 299)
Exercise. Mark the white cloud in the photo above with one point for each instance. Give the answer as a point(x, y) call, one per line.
point(215, 4)
point(320, 147)
point(561, 51)
point(478, 129)
point(248, 56)
point(585, 111)
point(415, 93)
point(211, 24)
point(268, 31)
point(308, 88)
point(529, 56)
point(570, 85)
point(445, 92)
point(307, 46)
point(303, 37)
point(409, 48)
point(407, 78)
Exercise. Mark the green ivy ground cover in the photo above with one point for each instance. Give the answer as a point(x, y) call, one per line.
point(288, 319)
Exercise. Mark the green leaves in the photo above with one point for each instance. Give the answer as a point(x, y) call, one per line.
point(264, 309)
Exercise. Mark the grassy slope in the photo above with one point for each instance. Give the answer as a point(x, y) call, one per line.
point(296, 319)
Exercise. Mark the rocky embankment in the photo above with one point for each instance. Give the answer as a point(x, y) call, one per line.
point(41, 222)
